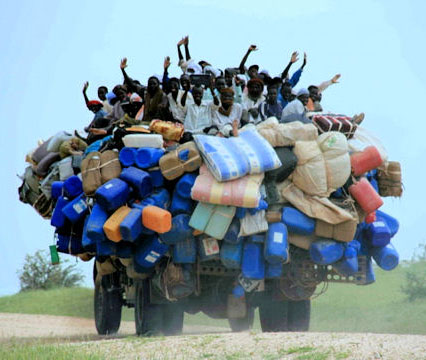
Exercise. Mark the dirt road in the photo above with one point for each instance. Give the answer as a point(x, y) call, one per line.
point(210, 342)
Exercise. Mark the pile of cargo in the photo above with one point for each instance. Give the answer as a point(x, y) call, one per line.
point(249, 202)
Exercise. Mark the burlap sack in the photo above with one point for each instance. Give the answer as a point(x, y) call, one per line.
point(110, 165)
point(91, 173)
point(389, 179)
point(185, 158)
point(315, 206)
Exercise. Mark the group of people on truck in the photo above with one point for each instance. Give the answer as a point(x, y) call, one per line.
point(205, 99)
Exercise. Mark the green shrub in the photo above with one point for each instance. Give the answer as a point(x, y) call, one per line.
point(415, 276)
point(39, 273)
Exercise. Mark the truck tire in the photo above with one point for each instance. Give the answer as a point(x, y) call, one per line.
point(173, 316)
point(148, 317)
point(107, 304)
point(299, 315)
point(242, 324)
point(273, 315)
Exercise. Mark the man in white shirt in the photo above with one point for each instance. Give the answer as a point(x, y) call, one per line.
point(175, 96)
point(228, 116)
point(199, 114)
point(252, 100)
point(295, 110)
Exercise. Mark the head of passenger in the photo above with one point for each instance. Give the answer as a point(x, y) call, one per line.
point(227, 97)
point(314, 93)
point(197, 94)
point(255, 88)
point(252, 71)
point(303, 96)
point(272, 95)
point(286, 91)
point(120, 92)
point(174, 86)
point(220, 83)
point(102, 91)
point(153, 85)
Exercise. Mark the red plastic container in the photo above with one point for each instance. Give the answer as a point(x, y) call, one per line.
point(365, 196)
point(370, 218)
point(366, 160)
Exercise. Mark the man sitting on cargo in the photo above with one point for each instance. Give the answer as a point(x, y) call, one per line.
point(228, 116)
point(199, 114)
point(295, 110)
point(315, 93)
point(271, 107)
point(251, 102)
point(155, 101)
point(175, 96)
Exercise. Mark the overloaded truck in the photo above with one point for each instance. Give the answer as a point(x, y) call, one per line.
point(223, 226)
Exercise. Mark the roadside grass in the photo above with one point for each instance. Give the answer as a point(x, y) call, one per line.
point(379, 308)
point(38, 351)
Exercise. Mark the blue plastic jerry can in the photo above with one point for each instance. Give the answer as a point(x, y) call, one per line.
point(253, 262)
point(276, 244)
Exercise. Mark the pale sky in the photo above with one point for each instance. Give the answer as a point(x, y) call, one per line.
point(50, 48)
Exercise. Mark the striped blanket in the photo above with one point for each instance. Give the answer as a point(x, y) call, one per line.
point(243, 192)
point(233, 158)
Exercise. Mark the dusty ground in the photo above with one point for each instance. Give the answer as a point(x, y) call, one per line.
point(210, 342)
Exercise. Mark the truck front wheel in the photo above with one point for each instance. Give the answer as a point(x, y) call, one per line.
point(173, 316)
point(299, 315)
point(242, 324)
point(148, 317)
point(108, 303)
point(276, 316)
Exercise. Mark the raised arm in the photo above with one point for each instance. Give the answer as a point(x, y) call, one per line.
point(132, 86)
point(185, 86)
point(325, 84)
point(86, 99)
point(181, 42)
point(297, 74)
point(186, 44)
point(293, 59)
point(215, 98)
point(244, 59)
point(166, 65)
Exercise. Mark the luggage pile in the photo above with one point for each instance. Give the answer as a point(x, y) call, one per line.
point(248, 202)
